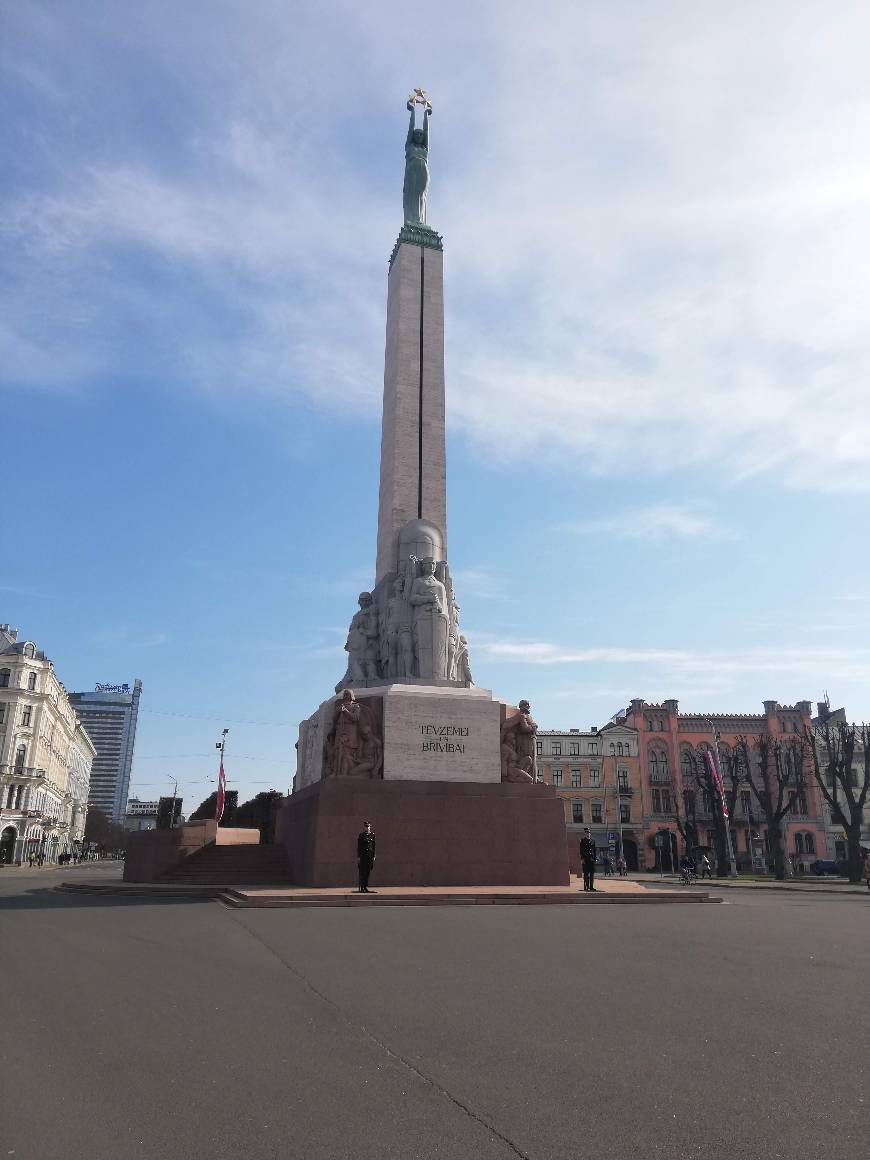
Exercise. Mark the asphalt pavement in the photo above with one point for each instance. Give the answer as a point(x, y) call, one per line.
point(179, 1029)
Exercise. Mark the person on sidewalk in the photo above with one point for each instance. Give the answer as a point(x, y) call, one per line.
point(867, 869)
point(706, 868)
point(365, 856)
point(588, 854)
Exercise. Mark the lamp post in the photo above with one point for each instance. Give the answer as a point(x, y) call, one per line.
point(174, 796)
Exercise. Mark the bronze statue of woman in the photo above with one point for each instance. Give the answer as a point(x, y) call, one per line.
point(416, 186)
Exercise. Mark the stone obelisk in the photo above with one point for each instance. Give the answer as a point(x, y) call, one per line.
point(413, 477)
point(443, 770)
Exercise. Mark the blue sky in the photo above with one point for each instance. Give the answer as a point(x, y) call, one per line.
point(656, 265)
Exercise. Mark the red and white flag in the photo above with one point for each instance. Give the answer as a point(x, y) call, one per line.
point(222, 793)
point(713, 766)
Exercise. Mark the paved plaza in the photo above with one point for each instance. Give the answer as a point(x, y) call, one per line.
point(178, 1028)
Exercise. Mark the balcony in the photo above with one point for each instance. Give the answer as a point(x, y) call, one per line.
point(625, 791)
point(660, 779)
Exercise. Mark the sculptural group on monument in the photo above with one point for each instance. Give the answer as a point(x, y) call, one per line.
point(518, 746)
point(408, 629)
point(354, 745)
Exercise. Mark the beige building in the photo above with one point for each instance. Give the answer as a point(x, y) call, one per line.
point(45, 756)
point(597, 775)
point(832, 718)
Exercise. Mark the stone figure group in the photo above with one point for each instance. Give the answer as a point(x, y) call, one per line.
point(408, 629)
point(354, 745)
point(518, 746)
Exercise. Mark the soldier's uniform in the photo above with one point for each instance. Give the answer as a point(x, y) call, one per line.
point(588, 854)
point(365, 858)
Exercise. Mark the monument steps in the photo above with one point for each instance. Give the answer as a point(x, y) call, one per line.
point(236, 865)
point(242, 899)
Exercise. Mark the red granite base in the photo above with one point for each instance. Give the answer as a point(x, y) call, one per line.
point(428, 833)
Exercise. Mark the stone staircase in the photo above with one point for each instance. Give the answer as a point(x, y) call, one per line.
point(232, 866)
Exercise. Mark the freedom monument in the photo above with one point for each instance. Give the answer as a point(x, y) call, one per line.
point(445, 772)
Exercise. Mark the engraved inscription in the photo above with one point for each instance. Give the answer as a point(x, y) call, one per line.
point(435, 738)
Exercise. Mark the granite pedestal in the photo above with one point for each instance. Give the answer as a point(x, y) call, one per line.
point(429, 833)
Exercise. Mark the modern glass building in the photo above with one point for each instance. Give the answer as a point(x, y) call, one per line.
point(109, 715)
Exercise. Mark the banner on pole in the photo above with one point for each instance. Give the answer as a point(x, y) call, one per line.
point(713, 767)
point(221, 794)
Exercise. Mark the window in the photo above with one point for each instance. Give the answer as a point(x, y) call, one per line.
point(612, 749)
point(666, 801)
point(593, 748)
point(619, 749)
point(31, 681)
point(799, 843)
point(622, 775)
point(10, 796)
point(26, 714)
point(2, 712)
point(810, 843)
point(657, 801)
point(711, 839)
point(624, 811)
point(20, 754)
point(574, 749)
point(577, 811)
point(19, 794)
point(687, 765)
point(575, 779)
point(800, 803)
point(5, 674)
point(689, 802)
point(557, 777)
point(594, 778)
point(539, 746)
point(746, 802)
point(556, 748)
point(596, 812)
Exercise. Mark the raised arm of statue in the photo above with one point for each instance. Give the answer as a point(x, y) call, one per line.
point(410, 136)
point(427, 113)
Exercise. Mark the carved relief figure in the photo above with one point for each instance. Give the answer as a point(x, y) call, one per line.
point(519, 732)
point(463, 666)
point(510, 767)
point(362, 642)
point(399, 640)
point(428, 598)
point(354, 748)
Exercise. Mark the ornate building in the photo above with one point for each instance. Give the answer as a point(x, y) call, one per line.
point(597, 774)
point(679, 807)
point(45, 756)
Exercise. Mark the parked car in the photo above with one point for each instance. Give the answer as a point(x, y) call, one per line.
point(825, 866)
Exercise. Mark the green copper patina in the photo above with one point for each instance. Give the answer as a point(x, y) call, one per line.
point(416, 186)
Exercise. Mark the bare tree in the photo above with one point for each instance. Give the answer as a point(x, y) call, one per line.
point(833, 765)
point(777, 783)
point(702, 781)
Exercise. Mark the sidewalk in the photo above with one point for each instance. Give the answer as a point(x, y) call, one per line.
point(802, 885)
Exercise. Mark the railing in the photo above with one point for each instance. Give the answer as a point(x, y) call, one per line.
point(660, 779)
point(625, 791)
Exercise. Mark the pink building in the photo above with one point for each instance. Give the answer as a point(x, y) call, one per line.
point(670, 744)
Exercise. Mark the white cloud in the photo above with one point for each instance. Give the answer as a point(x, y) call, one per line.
point(658, 252)
point(657, 522)
point(851, 663)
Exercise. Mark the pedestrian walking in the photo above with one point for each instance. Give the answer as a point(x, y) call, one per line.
point(365, 856)
point(588, 854)
point(706, 868)
point(867, 869)
point(622, 867)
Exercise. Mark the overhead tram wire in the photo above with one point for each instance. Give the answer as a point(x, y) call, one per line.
point(204, 717)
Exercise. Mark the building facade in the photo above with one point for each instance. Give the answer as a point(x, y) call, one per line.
point(140, 815)
point(597, 776)
point(45, 757)
point(110, 715)
point(669, 745)
point(836, 838)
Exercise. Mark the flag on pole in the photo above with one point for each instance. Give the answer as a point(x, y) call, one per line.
point(222, 792)
point(713, 766)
